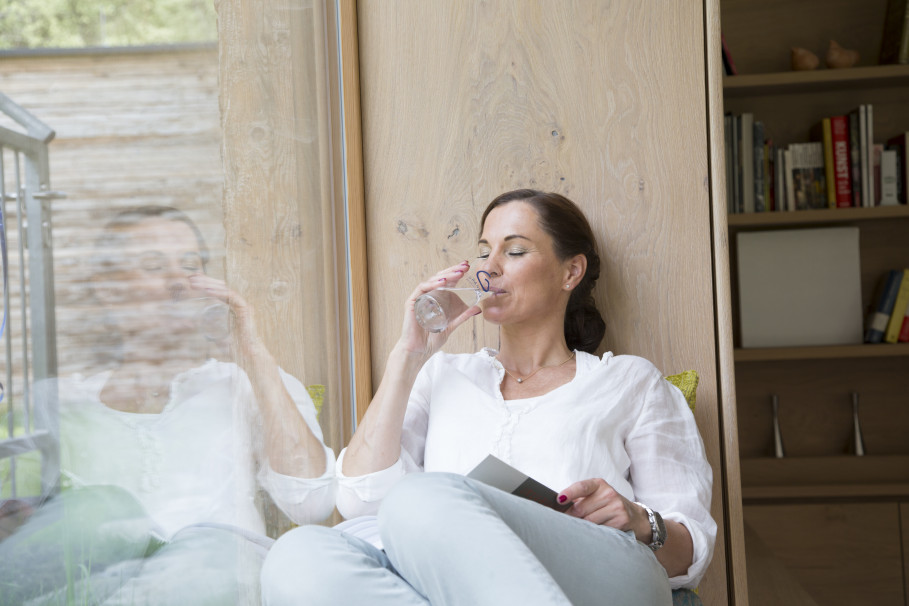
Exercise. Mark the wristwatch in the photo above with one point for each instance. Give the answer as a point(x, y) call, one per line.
point(657, 527)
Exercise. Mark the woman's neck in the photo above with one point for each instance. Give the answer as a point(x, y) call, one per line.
point(524, 351)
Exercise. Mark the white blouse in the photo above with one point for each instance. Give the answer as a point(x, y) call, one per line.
point(196, 461)
point(618, 419)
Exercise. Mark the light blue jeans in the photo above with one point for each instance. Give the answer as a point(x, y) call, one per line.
point(452, 540)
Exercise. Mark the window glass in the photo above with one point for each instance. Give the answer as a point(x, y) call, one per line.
point(173, 342)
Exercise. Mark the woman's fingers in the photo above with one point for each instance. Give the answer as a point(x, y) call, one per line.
point(598, 502)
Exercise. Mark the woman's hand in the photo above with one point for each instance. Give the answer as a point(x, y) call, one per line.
point(417, 340)
point(598, 502)
point(243, 317)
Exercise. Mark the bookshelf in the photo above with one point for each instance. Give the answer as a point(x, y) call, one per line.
point(819, 489)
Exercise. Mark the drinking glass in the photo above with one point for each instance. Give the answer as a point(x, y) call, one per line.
point(437, 308)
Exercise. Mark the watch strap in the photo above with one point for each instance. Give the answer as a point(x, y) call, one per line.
point(657, 527)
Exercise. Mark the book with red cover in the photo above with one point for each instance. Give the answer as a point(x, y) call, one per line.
point(839, 127)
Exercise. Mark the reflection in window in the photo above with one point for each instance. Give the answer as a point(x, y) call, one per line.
point(197, 406)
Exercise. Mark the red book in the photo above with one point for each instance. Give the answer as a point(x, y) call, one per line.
point(839, 127)
point(904, 331)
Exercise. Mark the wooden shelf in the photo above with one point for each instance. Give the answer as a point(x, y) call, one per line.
point(817, 80)
point(818, 216)
point(835, 477)
point(826, 352)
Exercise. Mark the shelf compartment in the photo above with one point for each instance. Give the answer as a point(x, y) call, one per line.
point(818, 216)
point(826, 352)
point(816, 80)
point(834, 477)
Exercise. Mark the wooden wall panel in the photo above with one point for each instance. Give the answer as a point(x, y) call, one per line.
point(132, 128)
point(603, 102)
point(840, 554)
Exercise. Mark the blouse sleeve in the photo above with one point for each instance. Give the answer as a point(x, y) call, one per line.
point(361, 495)
point(669, 471)
point(304, 500)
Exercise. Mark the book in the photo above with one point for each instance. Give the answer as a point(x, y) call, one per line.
point(736, 164)
point(839, 130)
point(868, 144)
point(855, 159)
point(787, 177)
point(898, 314)
point(730, 183)
point(904, 331)
point(809, 181)
point(879, 317)
point(900, 144)
point(895, 37)
point(829, 175)
point(889, 172)
point(501, 475)
point(779, 180)
point(746, 161)
point(758, 141)
point(876, 171)
point(728, 63)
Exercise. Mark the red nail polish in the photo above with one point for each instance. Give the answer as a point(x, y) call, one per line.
point(562, 498)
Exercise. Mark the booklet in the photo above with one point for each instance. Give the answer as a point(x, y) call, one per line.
point(501, 475)
point(491, 470)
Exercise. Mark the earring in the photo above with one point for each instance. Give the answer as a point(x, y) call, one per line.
point(568, 286)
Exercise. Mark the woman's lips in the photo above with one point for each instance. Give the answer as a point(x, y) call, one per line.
point(496, 291)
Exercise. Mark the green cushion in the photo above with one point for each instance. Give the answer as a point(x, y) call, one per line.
point(687, 382)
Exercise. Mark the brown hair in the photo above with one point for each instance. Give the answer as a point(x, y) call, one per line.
point(571, 235)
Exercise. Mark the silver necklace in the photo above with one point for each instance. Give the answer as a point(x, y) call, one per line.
point(521, 380)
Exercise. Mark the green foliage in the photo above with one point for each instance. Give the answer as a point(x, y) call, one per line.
point(81, 23)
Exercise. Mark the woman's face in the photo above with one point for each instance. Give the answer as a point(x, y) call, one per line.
point(146, 270)
point(527, 278)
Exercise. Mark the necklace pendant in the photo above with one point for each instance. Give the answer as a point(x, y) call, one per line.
point(520, 380)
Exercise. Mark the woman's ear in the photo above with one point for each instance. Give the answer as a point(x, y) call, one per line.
point(575, 269)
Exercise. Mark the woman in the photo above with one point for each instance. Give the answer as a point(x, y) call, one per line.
point(610, 433)
point(171, 443)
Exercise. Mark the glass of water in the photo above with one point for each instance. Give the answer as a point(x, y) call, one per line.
point(435, 309)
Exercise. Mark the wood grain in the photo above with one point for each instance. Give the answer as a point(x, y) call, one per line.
point(462, 101)
point(734, 549)
point(279, 201)
point(840, 554)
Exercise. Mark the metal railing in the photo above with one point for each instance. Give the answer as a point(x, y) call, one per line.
point(30, 355)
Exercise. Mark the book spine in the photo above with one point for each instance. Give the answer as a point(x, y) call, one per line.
point(829, 169)
point(790, 180)
point(904, 332)
point(758, 142)
point(779, 180)
point(869, 158)
point(855, 159)
point(888, 178)
point(768, 176)
point(900, 144)
point(839, 130)
point(728, 63)
point(747, 162)
point(730, 184)
point(736, 162)
point(900, 305)
point(880, 315)
point(876, 167)
point(895, 37)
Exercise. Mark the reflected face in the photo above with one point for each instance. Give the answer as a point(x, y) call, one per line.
point(146, 267)
point(526, 276)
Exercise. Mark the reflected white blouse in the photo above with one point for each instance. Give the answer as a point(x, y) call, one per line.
point(196, 461)
point(618, 419)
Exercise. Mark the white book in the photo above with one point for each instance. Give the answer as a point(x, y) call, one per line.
point(889, 170)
